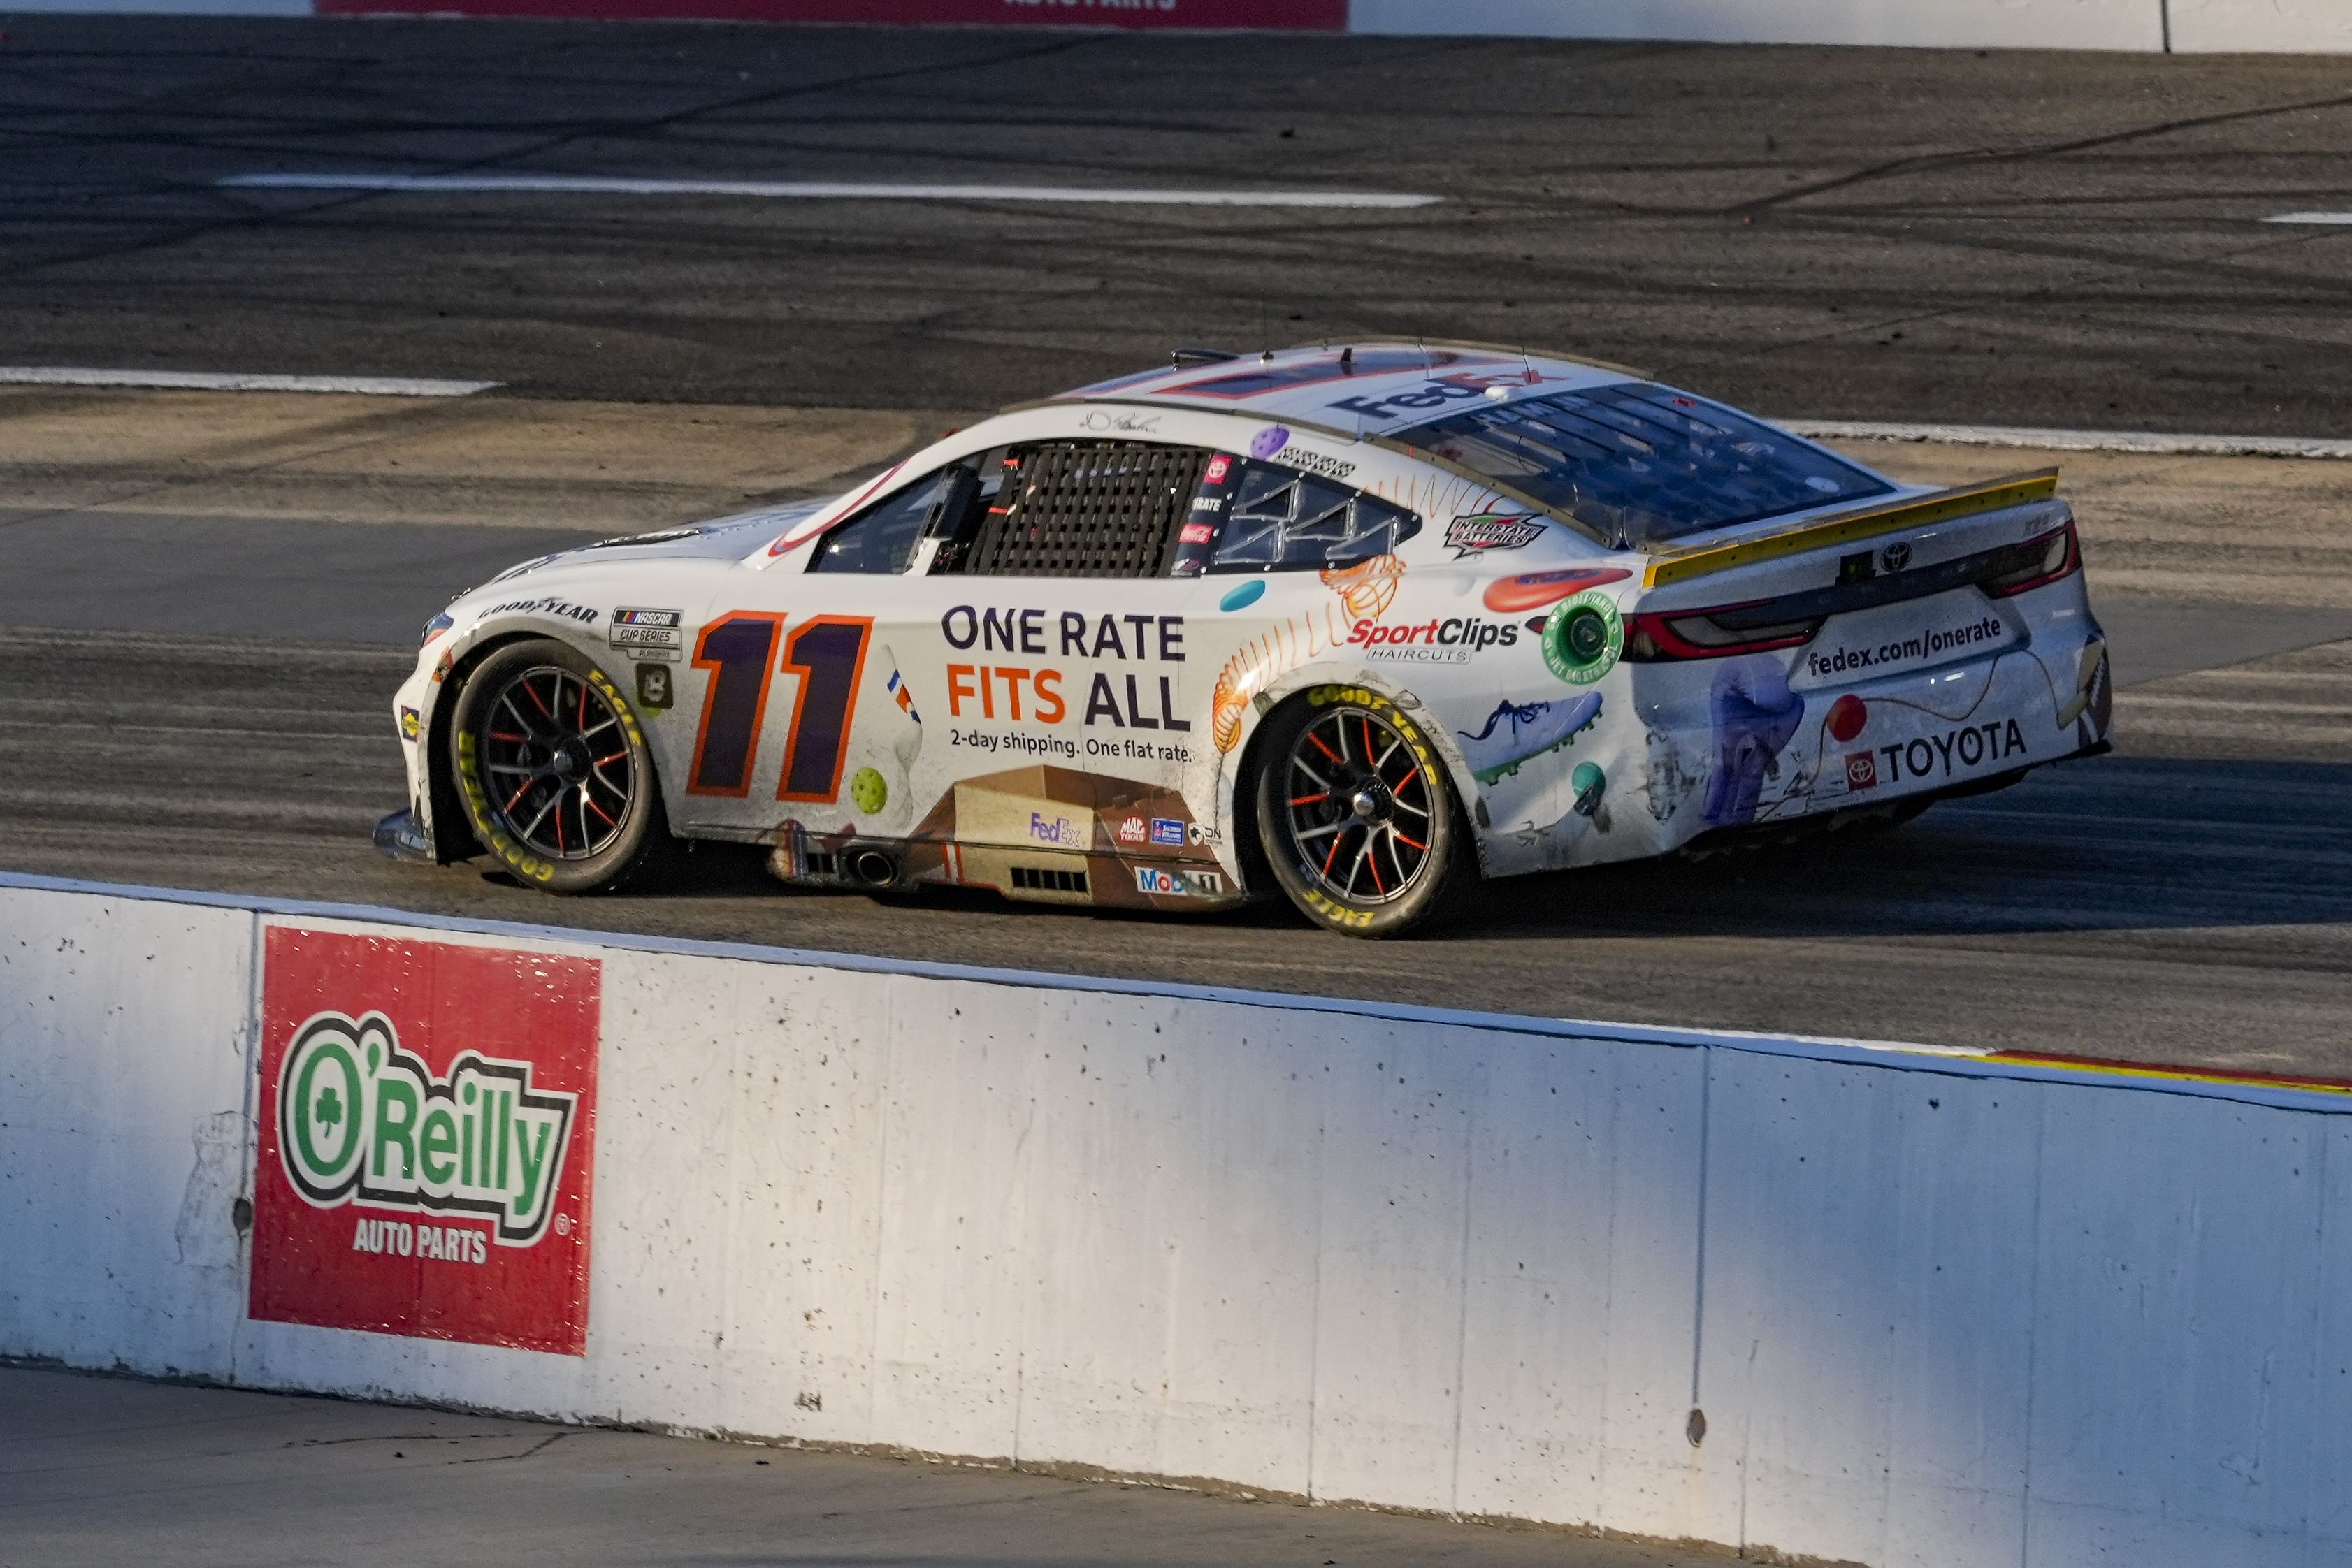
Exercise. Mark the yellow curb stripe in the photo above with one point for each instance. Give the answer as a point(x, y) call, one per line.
point(1682, 565)
point(2173, 1074)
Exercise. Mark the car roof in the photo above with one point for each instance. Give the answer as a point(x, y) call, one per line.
point(1359, 388)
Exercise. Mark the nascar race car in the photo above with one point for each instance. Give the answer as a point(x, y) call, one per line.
point(1356, 623)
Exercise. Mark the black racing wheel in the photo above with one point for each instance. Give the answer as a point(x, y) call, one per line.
point(554, 770)
point(1355, 812)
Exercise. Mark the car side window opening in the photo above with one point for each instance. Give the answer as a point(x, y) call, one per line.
point(1073, 508)
point(1641, 464)
point(883, 537)
point(1255, 515)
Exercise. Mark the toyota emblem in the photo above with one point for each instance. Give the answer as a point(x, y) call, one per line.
point(1895, 556)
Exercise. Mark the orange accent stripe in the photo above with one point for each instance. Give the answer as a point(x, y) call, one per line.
point(2177, 1074)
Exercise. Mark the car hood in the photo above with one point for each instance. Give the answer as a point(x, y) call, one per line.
point(730, 537)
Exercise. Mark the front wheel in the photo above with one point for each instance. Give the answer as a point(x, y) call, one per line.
point(555, 773)
point(1355, 812)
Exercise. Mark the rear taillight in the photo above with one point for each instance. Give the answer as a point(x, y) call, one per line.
point(2038, 563)
point(1713, 633)
point(1761, 625)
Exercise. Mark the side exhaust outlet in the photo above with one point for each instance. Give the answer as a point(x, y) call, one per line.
point(872, 868)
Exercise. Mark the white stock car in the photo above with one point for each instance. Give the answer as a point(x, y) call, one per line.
point(1356, 623)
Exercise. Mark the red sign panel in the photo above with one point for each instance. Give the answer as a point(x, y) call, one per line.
point(428, 1114)
point(1283, 15)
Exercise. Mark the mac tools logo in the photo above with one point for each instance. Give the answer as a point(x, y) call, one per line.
point(426, 1134)
point(361, 1121)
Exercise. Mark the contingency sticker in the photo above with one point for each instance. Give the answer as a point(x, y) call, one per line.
point(426, 1121)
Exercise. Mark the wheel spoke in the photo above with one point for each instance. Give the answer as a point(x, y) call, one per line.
point(507, 697)
point(568, 817)
point(1332, 771)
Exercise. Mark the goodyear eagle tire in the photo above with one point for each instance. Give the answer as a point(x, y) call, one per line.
point(1355, 813)
point(554, 770)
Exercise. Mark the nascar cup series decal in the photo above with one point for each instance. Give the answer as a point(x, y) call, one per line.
point(426, 1119)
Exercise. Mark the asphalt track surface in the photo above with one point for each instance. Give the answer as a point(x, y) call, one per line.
point(198, 692)
point(106, 1471)
point(2188, 899)
point(2018, 238)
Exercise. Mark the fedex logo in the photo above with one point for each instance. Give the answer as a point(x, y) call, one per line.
point(1441, 392)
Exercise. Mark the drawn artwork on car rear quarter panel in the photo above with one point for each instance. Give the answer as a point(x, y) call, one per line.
point(426, 1123)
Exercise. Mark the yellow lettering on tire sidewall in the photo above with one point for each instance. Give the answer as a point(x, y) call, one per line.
point(503, 844)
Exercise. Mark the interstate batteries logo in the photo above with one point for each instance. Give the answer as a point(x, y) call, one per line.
point(1486, 531)
point(361, 1120)
point(426, 1121)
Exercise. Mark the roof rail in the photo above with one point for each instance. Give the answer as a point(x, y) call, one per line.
point(1515, 349)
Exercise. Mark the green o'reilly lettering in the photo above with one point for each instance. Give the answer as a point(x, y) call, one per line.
point(361, 1121)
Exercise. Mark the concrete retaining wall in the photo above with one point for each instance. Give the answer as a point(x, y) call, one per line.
point(1934, 1308)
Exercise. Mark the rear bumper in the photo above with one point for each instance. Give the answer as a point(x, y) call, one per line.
point(1718, 840)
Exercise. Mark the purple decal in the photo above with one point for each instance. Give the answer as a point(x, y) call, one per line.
point(1755, 715)
point(1266, 443)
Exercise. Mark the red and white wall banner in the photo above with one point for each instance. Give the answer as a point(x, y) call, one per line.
point(426, 1132)
point(1286, 16)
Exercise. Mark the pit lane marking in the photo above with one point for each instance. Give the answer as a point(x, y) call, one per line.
point(2159, 443)
point(211, 381)
point(811, 190)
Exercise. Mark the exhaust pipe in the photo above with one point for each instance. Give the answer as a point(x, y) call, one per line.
point(872, 868)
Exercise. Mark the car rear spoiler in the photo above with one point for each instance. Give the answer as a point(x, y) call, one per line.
point(1672, 566)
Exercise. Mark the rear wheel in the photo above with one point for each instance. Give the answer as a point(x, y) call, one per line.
point(1355, 813)
point(554, 770)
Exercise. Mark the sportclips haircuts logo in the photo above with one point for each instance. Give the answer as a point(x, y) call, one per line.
point(361, 1119)
point(427, 1122)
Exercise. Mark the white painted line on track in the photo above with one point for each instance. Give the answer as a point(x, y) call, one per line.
point(2309, 218)
point(211, 381)
point(814, 190)
point(2148, 441)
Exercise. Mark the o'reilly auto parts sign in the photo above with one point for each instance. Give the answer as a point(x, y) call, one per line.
point(426, 1112)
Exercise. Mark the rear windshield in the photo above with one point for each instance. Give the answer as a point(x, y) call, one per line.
point(1639, 464)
